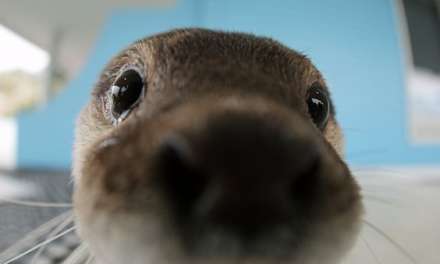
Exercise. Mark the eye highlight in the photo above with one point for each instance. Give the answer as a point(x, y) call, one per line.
point(126, 93)
point(318, 106)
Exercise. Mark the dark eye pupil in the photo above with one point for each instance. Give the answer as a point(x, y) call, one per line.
point(318, 105)
point(125, 92)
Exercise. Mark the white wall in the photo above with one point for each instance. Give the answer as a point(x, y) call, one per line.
point(424, 106)
point(8, 143)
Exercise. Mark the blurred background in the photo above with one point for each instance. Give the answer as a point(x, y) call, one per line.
point(381, 59)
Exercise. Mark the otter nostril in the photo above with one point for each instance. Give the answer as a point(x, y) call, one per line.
point(179, 175)
point(307, 180)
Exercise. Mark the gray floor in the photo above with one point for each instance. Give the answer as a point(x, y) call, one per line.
point(16, 221)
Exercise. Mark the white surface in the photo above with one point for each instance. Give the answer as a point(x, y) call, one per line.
point(424, 106)
point(8, 143)
point(404, 204)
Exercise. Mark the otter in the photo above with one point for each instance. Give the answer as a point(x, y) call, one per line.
point(202, 146)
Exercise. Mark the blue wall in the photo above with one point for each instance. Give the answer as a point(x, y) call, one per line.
point(354, 43)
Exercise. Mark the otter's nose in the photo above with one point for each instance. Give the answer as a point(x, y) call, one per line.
point(241, 174)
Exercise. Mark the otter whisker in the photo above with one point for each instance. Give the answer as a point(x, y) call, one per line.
point(374, 198)
point(381, 195)
point(392, 173)
point(370, 249)
point(378, 188)
point(29, 239)
point(40, 245)
point(400, 248)
point(89, 259)
point(35, 203)
point(78, 256)
point(383, 170)
point(394, 194)
point(58, 229)
point(367, 153)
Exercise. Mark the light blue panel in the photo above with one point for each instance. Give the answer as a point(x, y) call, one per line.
point(356, 45)
point(46, 135)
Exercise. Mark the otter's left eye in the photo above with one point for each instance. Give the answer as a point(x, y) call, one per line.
point(126, 93)
point(319, 106)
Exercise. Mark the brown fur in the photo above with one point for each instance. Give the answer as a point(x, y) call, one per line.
point(193, 77)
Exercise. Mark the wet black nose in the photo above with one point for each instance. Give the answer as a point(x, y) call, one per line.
point(245, 175)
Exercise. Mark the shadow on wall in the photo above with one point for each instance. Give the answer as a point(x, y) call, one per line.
point(355, 44)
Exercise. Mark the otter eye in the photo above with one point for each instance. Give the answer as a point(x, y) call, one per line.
point(318, 104)
point(126, 93)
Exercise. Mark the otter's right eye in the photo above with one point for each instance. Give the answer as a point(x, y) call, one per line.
point(126, 93)
point(319, 106)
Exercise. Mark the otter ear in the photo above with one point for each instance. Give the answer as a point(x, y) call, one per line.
point(126, 93)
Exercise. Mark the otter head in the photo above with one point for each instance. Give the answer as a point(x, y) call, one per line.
point(209, 147)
